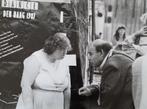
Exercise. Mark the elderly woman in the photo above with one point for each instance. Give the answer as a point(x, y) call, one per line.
point(46, 81)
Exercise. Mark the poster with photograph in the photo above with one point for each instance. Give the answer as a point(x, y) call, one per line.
point(23, 26)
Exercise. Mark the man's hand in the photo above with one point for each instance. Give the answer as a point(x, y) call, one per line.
point(85, 91)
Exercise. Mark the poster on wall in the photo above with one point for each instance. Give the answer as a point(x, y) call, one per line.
point(24, 26)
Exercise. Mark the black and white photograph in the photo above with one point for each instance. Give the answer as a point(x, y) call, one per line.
point(73, 54)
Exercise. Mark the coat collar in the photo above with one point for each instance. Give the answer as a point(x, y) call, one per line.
point(105, 59)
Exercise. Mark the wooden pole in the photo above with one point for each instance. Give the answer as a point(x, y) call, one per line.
point(93, 19)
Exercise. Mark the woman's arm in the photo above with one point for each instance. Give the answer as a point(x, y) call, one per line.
point(135, 35)
point(67, 94)
point(31, 69)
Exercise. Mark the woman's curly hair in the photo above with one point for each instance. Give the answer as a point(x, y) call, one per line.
point(56, 42)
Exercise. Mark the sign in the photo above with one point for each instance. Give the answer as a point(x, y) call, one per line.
point(9, 44)
point(18, 9)
point(24, 26)
point(55, 1)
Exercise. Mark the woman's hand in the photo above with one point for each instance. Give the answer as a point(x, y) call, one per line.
point(143, 30)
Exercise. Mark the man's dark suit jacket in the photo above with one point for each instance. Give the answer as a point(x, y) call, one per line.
point(116, 85)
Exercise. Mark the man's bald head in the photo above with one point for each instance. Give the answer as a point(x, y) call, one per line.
point(97, 51)
point(100, 44)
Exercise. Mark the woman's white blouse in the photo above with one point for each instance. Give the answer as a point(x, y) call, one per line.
point(50, 76)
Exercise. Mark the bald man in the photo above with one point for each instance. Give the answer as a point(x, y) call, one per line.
point(115, 91)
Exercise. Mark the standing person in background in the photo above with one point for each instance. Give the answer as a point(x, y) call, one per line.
point(120, 37)
point(135, 40)
point(115, 90)
point(46, 81)
point(137, 37)
point(139, 69)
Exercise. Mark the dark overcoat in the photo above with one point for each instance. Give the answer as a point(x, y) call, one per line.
point(116, 84)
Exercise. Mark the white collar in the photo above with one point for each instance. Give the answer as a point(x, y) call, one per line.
point(105, 59)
